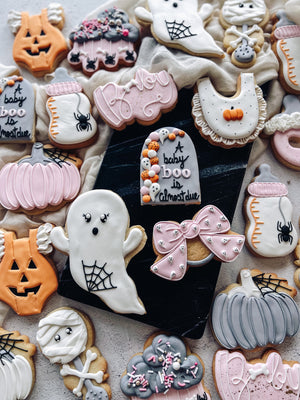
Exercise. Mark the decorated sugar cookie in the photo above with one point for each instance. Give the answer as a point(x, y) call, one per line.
point(71, 122)
point(269, 230)
point(269, 378)
point(66, 336)
point(180, 25)
point(100, 244)
point(193, 243)
point(244, 37)
point(27, 278)
point(17, 110)
point(107, 41)
point(257, 312)
point(143, 99)
point(39, 45)
point(229, 121)
point(165, 370)
point(169, 169)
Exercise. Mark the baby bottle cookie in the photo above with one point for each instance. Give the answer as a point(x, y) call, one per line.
point(269, 230)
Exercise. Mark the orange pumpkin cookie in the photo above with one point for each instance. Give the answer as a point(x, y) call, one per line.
point(39, 45)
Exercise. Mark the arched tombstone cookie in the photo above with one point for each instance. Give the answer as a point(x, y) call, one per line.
point(229, 121)
point(66, 337)
point(269, 229)
point(107, 41)
point(179, 24)
point(39, 45)
point(17, 110)
point(71, 122)
point(165, 370)
point(244, 37)
point(100, 244)
point(258, 311)
point(169, 172)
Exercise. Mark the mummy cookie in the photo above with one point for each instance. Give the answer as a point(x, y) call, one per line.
point(169, 169)
point(257, 312)
point(39, 45)
point(179, 24)
point(100, 244)
point(193, 243)
point(71, 122)
point(16, 365)
point(27, 278)
point(286, 42)
point(107, 41)
point(269, 377)
point(269, 230)
point(17, 110)
point(45, 180)
point(229, 121)
point(143, 99)
point(66, 337)
point(244, 37)
point(165, 370)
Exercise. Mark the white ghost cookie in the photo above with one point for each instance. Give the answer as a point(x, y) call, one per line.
point(100, 244)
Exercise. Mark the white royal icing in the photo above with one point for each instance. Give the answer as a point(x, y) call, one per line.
point(55, 14)
point(234, 14)
point(287, 50)
point(43, 240)
point(282, 123)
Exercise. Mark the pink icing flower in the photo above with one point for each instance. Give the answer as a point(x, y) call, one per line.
point(125, 32)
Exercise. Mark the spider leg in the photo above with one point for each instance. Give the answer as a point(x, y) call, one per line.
point(279, 237)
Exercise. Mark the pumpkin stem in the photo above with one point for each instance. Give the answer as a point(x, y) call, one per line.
point(37, 155)
point(249, 287)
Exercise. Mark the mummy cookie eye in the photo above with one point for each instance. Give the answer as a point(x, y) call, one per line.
point(241, 5)
point(68, 331)
point(57, 338)
point(103, 217)
point(87, 217)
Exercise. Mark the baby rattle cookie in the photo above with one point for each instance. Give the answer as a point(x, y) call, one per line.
point(165, 370)
point(244, 37)
point(258, 311)
point(66, 336)
point(269, 229)
point(229, 121)
point(100, 245)
point(179, 25)
point(193, 243)
point(39, 45)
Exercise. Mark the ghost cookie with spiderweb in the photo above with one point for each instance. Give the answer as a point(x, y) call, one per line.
point(179, 24)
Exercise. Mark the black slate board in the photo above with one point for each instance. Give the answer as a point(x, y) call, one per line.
point(180, 307)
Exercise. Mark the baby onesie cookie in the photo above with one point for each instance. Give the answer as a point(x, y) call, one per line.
point(27, 278)
point(169, 172)
point(286, 42)
point(179, 24)
point(66, 336)
point(269, 230)
point(107, 41)
point(17, 110)
point(143, 99)
point(229, 121)
point(165, 370)
point(244, 37)
point(46, 180)
point(257, 312)
point(100, 245)
point(39, 45)
point(71, 122)
point(16, 365)
point(193, 243)
point(269, 378)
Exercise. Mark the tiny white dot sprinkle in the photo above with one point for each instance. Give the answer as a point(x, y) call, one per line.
point(181, 266)
point(182, 248)
point(206, 222)
point(170, 259)
point(236, 250)
point(211, 209)
point(154, 268)
point(209, 239)
point(219, 226)
point(158, 228)
point(172, 274)
point(161, 243)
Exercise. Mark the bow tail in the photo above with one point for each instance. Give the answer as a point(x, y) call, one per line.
point(225, 247)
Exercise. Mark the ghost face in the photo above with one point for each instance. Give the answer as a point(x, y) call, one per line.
point(250, 12)
point(173, 7)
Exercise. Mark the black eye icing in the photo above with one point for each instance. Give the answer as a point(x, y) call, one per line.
point(251, 6)
point(103, 218)
point(42, 33)
point(57, 338)
point(241, 5)
point(28, 34)
point(68, 331)
point(87, 217)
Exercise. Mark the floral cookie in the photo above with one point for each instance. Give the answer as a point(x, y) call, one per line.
point(257, 312)
point(244, 37)
point(193, 243)
point(100, 244)
point(39, 45)
point(107, 41)
point(229, 121)
point(179, 24)
point(165, 370)
point(16, 365)
point(66, 336)
point(27, 278)
point(143, 99)
point(269, 230)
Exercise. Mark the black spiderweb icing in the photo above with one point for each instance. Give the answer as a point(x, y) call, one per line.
point(267, 284)
point(7, 344)
point(58, 156)
point(97, 278)
point(178, 30)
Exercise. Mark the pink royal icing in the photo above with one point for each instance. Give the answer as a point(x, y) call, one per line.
point(267, 189)
point(59, 88)
point(285, 32)
point(185, 394)
point(282, 146)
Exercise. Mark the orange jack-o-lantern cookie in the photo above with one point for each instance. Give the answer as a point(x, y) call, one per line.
point(39, 45)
